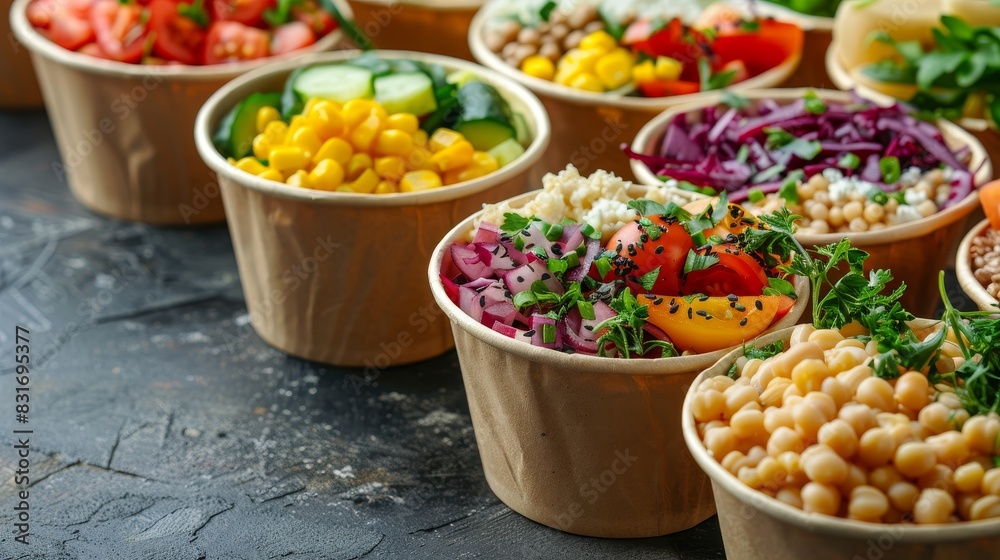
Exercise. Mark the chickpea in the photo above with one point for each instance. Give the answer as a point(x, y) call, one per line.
point(573, 39)
point(797, 353)
point(748, 476)
point(858, 225)
point(791, 392)
point(776, 417)
point(808, 419)
point(550, 50)
point(819, 226)
point(784, 439)
point(836, 390)
point(840, 437)
point(774, 394)
point(856, 476)
point(819, 212)
point(800, 334)
point(884, 477)
point(808, 375)
point(981, 433)
point(991, 482)
point(914, 459)
point(876, 447)
point(964, 505)
point(737, 396)
point(826, 338)
point(933, 506)
point(708, 405)
point(927, 208)
point(559, 30)
point(903, 495)
point(873, 213)
point(835, 217)
point(820, 498)
point(748, 424)
point(876, 393)
point(950, 448)
point(940, 476)
point(733, 461)
point(935, 417)
point(806, 191)
point(987, 507)
point(718, 383)
point(819, 182)
point(969, 477)
point(720, 441)
point(859, 416)
point(867, 503)
point(852, 210)
point(853, 377)
point(911, 390)
point(791, 496)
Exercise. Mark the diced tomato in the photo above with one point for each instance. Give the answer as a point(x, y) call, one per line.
point(664, 88)
point(641, 255)
point(785, 304)
point(311, 14)
point(93, 49)
point(712, 323)
point(176, 38)
point(739, 68)
point(41, 12)
point(247, 12)
point(120, 29)
point(68, 30)
point(761, 49)
point(989, 197)
point(292, 37)
point(229, 41)
point(735, 273)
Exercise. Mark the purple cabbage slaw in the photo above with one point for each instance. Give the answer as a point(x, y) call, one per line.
point(729, 148)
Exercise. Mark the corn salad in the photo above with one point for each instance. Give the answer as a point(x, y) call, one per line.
point(358, 147)
point(814, 428)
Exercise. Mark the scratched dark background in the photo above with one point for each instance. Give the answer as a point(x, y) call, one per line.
point(164, 428)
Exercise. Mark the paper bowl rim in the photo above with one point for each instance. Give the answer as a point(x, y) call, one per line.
point(488, 58)
point(224, 99)
point(817, 523)
point(807, 22)
point(579, 362)
point(963, 270)
point(652, 131)
point(38, 44)
point(442, 5)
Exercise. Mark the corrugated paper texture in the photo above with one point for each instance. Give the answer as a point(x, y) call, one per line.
point(915, 251)
point(966, 277)
point(19, 86)
point(125, 131)
point(340, 278)
point(593, 126)
point(434, 26)
point(588, 445)
point(757, 527)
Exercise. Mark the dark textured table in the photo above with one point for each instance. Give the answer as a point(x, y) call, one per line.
point(164, 428)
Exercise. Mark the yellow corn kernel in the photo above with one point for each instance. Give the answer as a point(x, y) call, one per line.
point(297, 122)
point(288, 159)
point(587, 82)
point(386, 187)
point(421, 158)
point(336, 149)
point(366, 183)
point(455, 156)
point(539, 67)
point(393, 143)
point(574, 62)
point(403, 121)
point(273, 135)
point(444, 137)
point(326, 176)
point(265, 115)
point(364, 135)
point(310, 104)
point(357, 165)
point(298, 179)
point(307, 139)
point(391, 168)
point(644, 72)
point(326, 119)
point(614, 69)
point(423, 180)
point(272, 175)
point(482, 165)
point(420, 138)
point(668, 69)
point(356, 111)
point(250, 165)
point(598, 41)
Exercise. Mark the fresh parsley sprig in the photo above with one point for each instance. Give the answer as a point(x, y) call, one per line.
point(625, 331)
point(750, 351)
point(977, 333)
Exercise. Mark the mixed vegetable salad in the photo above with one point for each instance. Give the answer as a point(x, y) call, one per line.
point(956, 76)
point(671, 280)
point(647, 49)
point(179, 32)
point(843, 166)
point(374, 125)
point(862, 415)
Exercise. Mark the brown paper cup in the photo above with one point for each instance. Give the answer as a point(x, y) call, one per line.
point(966, 277)
point(757, 527)
point(19, 88)
point(434, 26)
point(934, 238)
point(587, 445)
point(592, 126)
point(339, 277)
point(124, 130)
point(818, 34)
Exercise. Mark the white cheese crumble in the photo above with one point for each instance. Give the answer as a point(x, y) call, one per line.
point(910, 177)
point(914, 197)
point(906, 213)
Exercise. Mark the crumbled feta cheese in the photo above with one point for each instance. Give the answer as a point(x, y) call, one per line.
point(906, 213)
point(842, 188)
point(914, 197)
point(910, 177)
point(600, 200)
point(832, 175)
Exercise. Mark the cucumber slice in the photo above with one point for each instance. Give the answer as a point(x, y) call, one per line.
point(521, 127)
point(484, 118)
point(291, 102)
point(460, 77)
point(238, 128)
point(339, 82)
point(411, 92)
point(507, 151)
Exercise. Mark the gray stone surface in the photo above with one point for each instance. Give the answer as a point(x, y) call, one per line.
point(164, 428)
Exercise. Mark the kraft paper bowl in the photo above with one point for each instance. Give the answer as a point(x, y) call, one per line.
point(19, 88)
point(434, 26)
point(592, 126)
point(933, 238)
point(966, 276)
point(587, 445)
point(124, 130)
point(339, 277)
point(818, 34)
point(758, 527)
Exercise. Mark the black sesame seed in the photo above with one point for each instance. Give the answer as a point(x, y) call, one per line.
point(657, 301)
point(530, 333)
point(690, 315)
point(703, 298)
point(643, 238)
point(759, 305)
point(520, 278)
point(588, 327)
point(546, 276)
point(739, 308)
point(743, 322)
point(702, 312)
point(659, 250)
point(631, 251)
point(732, 297)
point(482, 301)
point(619, 248)
point(674, 308)
point(557, 250)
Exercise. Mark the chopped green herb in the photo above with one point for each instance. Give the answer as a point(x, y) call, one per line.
point(648, 280)
point(814, 104)
point(695, 261)
point(755, 195)
point(889, 166)
point(752, 352)
point(603, 265)
point(849, 161)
